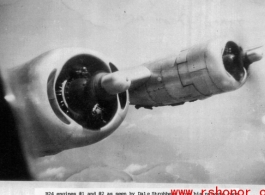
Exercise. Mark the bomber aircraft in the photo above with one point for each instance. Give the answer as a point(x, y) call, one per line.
point(73, 71)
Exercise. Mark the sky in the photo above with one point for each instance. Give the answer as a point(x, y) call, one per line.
point(217, 140)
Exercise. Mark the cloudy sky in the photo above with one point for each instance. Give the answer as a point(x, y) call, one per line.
point(218, 140)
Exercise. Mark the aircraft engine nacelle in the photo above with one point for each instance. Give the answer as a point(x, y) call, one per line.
point(58, 101)
point(196, 73)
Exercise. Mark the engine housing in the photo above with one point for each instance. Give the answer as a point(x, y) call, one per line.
point(51, 122)
point(195, 73)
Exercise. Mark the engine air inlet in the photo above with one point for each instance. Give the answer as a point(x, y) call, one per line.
point(233, 60)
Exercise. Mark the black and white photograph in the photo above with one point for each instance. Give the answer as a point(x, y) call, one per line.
point(133, 91)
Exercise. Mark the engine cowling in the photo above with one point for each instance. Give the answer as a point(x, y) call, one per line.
point(58, 102)
point(199, 72)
